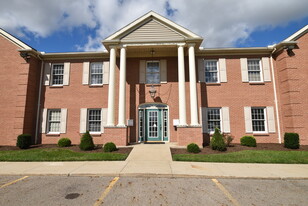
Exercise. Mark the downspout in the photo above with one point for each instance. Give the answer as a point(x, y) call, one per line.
point(39, 104)
point(275, 98)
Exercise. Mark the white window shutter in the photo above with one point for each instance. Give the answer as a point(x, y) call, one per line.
point(83, 120)
point(63, 120)
point(201, 70)
point(204, 119)
point(271, 119)
point(85, 72)
point(142, 72)
point(225, 119)
point(47, 70)
point(66, 73)
point(106, 73)
point(44, 120)
point(248, 120)
point(163, 71)
point(103, 119)
point(222, 70)
point(266, 69)
point(244, 69)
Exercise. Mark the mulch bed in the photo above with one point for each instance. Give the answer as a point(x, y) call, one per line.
point(75, 148)
point(238, 147)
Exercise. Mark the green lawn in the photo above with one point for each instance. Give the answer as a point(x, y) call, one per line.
point(58, 155)
point(249, 156)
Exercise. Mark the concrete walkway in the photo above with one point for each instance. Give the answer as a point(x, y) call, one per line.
point(156, 160)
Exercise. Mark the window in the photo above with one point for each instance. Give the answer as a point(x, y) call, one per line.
point(96, 77)
point(57, 74)
point(211, 71)
point(94, 120)
point(165, 121)
point(213, 118)
point(152, 72)
point(254, 70)
point(54, 121)
point(258, 119)
point(141, 113)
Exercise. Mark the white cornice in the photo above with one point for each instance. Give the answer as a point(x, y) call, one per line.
point(14, 40)
point(297, 34)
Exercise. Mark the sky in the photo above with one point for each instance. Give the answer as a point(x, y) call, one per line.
point(81, 25)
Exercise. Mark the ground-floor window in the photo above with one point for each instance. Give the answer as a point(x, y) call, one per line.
point(94, 120)
point(54, 121)
point(214, 119)
point(258, 119)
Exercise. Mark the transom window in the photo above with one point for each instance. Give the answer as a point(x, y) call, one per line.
point(94, 120)
point(152, 72)
point(96, 71)
point(258, 119)
point(254, 70)
point(54, 121)
point(211, 71)
point(57, 74)
point(213, 118)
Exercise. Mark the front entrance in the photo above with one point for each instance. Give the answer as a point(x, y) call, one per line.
point(153, 122)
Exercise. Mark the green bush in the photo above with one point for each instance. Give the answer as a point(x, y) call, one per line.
point(291, 140)
point(86, 142)
point(217, 141)
point(228, 138)
point(193, 148)
point(64, 142)
point(109, 147)
point(23, 141)
point(249, 141)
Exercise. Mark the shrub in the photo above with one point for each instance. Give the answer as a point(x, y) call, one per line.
point(23, 141)
point(109, 147)
point(193, 148)
point(249, 141)
point(228, 139)
point(64, 142)
point(86, 142)
point(217, 141)
point(291, 140)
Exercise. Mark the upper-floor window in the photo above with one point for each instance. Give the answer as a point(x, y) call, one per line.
point(211, 71)
point(214, 119)
point(96, 77)
point(254, 70)
point(258, 119)
point(94, 120)
point(152, 72)
point(57, 74)
point(54, 121)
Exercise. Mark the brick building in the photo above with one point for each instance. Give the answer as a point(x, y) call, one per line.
point(154, 83)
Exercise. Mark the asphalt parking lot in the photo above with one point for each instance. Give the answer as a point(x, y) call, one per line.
point(84, 190)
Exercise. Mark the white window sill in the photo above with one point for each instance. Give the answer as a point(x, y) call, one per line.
point(95, 85)
point(53, 134)
point(260, 133)
point(95, 133)
point(56, 86)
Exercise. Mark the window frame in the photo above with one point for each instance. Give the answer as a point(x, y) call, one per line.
point(49, 121)
point(146, 72)
point(90, 73)
point(217, 71)
point(265, 121)
point(52, 75)
point(207, 120)
point(261, 69)
point(88, 121)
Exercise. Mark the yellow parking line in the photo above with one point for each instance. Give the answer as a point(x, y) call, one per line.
point(10, 183)
point(107, 190)
point(226, 192)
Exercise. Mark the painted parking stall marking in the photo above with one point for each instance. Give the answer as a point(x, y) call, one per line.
point(106, 191)
point(226, 192)
point(12, 182)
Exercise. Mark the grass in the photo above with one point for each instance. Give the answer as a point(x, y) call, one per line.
point(248, 156)
point(58, 155)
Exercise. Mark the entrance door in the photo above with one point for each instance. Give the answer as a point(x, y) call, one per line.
point(153, 125)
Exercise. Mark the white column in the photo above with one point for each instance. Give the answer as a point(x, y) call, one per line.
point(122, 89)
point(193, 86)
point(181, 76)
point(111, 89)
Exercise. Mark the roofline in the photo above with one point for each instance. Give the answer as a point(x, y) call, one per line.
point(235, 51)
point(297, 34)
point(14, 40)
point(74, 55)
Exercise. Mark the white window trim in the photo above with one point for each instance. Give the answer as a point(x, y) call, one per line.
point(265, 121)
point(217, 67)
point(51, 74)
point(261, 70)
point(87, 123)
point(47, 121)
point(146, 72)
point(220, 114)
point(90, 73)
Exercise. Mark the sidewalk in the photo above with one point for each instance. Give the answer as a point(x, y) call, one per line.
point(156, 160)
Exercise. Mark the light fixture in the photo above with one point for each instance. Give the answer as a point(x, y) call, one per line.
point(152, 92)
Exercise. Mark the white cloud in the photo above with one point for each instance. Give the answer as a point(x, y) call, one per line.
point(222, 22)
